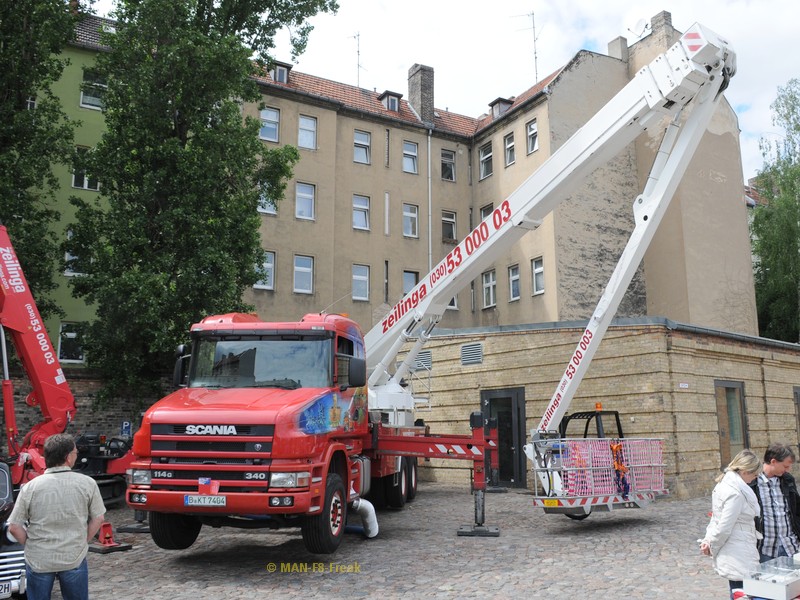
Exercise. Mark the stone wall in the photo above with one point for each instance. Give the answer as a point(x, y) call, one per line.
point(661, 380)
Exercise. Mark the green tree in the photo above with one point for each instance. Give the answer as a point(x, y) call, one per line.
point(34, 134)
point(776, 225)
point(175, 233)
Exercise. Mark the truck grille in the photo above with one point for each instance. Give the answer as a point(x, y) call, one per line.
point(248, 447)
point(12, 562)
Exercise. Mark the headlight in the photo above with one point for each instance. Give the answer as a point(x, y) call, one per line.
point(289, 480)
point(138, 476)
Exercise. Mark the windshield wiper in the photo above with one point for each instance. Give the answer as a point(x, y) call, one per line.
point(286, 384)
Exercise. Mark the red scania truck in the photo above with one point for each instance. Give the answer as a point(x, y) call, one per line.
point(291, 424)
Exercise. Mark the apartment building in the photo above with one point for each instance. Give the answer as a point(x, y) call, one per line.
point(387, 184)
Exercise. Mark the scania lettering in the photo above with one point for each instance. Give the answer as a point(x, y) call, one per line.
point(324, 413)
point(210, 430)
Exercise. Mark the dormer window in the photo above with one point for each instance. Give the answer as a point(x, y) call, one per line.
point(500, 106)
point(390, 100)
point(280, 72)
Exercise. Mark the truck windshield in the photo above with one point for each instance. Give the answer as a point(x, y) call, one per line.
point(283, 362)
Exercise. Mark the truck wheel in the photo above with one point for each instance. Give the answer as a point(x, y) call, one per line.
point(411, 489)
point(397, 493)
point(173, 532)
point(577, 516)
point(323, 533)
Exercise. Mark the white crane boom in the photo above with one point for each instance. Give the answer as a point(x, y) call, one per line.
point(693, 72)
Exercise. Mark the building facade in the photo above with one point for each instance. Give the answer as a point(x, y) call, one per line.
point(387, 185)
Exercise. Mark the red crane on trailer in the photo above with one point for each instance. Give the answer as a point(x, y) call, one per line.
point(20, 318)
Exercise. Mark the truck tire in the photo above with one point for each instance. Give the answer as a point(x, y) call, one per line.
point(397, 487)
point(173, 532)
point(323, 533)
point(411, 485)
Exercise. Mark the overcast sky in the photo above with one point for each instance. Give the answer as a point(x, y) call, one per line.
point(483, 50)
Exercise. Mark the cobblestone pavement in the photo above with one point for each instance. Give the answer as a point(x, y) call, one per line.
point(650, 553)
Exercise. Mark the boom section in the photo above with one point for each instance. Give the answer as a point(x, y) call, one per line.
point(20, 317)
point(694, 68)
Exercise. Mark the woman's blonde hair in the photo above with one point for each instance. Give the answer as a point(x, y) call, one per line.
point(744, 462)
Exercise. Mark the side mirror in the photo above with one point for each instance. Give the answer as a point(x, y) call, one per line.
point(357, 373)
point(179, 372)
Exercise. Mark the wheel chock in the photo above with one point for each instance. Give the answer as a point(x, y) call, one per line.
point(105, 542)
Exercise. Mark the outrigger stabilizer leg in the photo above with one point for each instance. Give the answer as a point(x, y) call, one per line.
point(489, 443)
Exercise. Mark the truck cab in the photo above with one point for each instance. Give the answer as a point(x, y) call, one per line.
point(267, 415)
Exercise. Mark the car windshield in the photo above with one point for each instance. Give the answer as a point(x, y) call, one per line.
point(287, 362)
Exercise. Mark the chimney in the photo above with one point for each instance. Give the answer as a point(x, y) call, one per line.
point(420, 91)
point(662, 20)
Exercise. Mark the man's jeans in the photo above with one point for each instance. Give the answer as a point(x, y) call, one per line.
point(765, 558)
point(74, 583)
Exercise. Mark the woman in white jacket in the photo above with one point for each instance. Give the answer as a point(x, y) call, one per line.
point(731, 535)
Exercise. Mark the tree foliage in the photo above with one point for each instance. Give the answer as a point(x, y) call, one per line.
point(174, 235)
point(34, 134)
point(776, 225)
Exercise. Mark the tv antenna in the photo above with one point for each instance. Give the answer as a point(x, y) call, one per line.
point(535, 38)
point(357, 38)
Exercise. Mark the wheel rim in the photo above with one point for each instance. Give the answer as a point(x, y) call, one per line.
point(336, 514)
point(403, 483)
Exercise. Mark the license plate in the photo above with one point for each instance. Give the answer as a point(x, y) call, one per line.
point(204, 500)
point(550, 503)
point(5, 589)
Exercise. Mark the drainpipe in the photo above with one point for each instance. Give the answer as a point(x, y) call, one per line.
point(430, 207)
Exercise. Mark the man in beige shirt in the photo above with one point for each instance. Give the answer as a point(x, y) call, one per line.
point(55, 517)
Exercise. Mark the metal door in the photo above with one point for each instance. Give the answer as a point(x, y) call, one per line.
point(508, 407)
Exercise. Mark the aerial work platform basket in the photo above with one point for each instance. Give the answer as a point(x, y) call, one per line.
point(576, 476)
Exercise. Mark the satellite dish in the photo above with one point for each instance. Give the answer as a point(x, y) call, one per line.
point(640, 27)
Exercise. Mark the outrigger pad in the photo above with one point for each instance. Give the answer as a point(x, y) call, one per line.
point(478, 531)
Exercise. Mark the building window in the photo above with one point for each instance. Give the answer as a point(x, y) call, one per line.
point(280, 74)
point(307, 133)
point(304, 201)
point(266, 205)
point(303, 274)
point(409, 157)
point(448, 226)
point(360, 282)
point(508, 144)
point(453, 304)
point(448, 165)
point(485, 154)
point(533, 136)
point(410, 281)
point(537, 272)
point(410, 220)
point(70, 347)
point(30, 103)
point(270, 124)
point(80, 179)
point(361, 147)
point(393, 103)
point(268, 283)
point(71, 261)
point(486, 211)
point(489, 289)
point(92, 91)
point(513, 283)
point(360, 212)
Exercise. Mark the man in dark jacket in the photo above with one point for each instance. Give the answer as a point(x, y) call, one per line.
point(777, 495)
